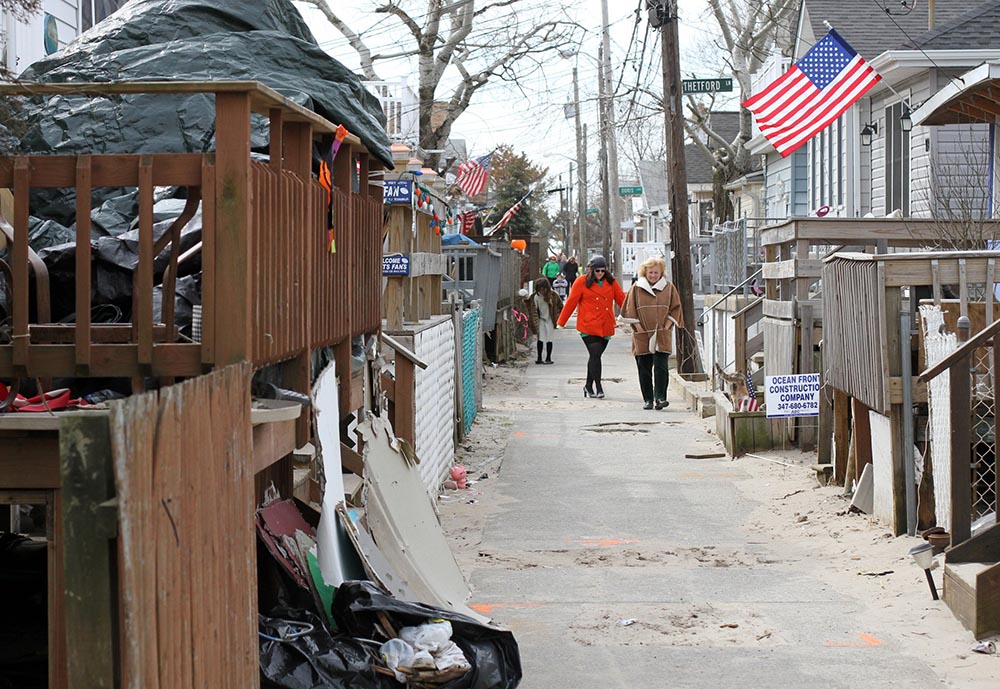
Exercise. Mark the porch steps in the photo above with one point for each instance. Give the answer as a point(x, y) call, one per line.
point(972, 591)
point(700, 399)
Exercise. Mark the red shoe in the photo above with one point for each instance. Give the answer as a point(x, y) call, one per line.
point(53, 400)
point(9, 399)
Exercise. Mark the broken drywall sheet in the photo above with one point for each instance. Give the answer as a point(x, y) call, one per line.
point(326, 411)
point(405, 526)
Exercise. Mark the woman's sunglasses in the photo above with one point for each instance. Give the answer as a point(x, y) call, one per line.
point(599, 270)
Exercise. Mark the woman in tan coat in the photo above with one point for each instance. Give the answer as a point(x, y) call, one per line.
point(653, 307)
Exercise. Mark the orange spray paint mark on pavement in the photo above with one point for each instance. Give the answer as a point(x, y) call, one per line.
point(489, 608)
point(866, 640)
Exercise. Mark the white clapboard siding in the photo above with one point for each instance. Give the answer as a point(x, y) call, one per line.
point(960, 171)
point(435, 403)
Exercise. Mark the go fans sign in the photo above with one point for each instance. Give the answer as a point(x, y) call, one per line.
point(788, 396)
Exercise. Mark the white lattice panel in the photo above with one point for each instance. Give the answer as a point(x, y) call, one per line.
point(435, 403)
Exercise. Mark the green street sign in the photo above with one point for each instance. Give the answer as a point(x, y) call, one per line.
point(630, 191)
point(706, 85)
point(593, 211)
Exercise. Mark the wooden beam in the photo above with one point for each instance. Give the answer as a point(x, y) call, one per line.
point(792, 268)
point(88, 525)
point(108, 170)
point(107, 360)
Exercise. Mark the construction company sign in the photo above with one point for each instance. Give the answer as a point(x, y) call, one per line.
point(788, 396)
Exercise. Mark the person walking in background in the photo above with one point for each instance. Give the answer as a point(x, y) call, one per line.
point(653, 307)
point(596, 295)
point(550, 269)
point(571, 269)
point(561, 286)
point(544, 308)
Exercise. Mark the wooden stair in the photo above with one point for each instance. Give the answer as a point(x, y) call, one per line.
point(972, 582)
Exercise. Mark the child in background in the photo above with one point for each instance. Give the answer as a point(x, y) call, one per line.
point(561, 286)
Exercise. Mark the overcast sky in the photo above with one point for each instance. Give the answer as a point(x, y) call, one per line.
point(531, 119)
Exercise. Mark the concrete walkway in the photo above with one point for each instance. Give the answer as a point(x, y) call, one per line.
point(619, 563)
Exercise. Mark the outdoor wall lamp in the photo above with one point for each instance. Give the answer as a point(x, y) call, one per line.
point(868, 132)
point(905, 121)
point(923, 555)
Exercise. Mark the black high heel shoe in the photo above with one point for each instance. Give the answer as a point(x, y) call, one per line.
point(588, 393)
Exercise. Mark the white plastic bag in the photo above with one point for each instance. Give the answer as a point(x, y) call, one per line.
point(430, 637)
point(396, 652)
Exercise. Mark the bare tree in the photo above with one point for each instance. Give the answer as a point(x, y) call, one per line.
point(956, 195)
point(459, 48)
point(748, 32)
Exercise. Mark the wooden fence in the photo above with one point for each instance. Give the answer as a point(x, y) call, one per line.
point(185, 564)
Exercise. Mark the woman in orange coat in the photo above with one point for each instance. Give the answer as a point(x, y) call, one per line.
point(595, 293)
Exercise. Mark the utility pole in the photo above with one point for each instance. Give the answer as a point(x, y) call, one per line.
point(663, 16)
point(605, 187)
point(615, 219)
point(581, 172)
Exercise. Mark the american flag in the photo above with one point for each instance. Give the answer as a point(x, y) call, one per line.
point(511, 212)
point(472, 175)
point(751, 403)
point(467, 221)
point(812, 94)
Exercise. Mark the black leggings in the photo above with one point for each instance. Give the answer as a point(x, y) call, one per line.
point(596, 346)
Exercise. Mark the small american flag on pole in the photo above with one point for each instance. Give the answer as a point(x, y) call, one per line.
point(751, 403)
point(511, 212)
point(472, 175)
point(817, 90)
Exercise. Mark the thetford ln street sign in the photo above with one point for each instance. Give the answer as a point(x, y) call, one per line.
point(706, 85)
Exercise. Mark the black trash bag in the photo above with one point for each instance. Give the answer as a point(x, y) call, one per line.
point(492, 652)
point(311, 658)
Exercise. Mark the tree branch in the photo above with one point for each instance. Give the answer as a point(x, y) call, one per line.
point(401, 14)
point(365, 55)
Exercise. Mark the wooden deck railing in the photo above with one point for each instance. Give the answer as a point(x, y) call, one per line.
point(271, 288)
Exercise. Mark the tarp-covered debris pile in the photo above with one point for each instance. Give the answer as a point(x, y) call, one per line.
point(191, 40)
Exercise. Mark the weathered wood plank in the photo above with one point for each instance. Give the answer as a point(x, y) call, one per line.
point(88, 526)
point(19, 258)
point(109, 170)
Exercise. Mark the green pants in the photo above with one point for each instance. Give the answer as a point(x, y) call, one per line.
point(653, 375)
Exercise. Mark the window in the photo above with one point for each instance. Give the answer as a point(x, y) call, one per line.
point(95, 11)
point(897, 162)
point(465, 268)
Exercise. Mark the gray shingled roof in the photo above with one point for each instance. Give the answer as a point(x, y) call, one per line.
point(977, 28)
point(871, 32)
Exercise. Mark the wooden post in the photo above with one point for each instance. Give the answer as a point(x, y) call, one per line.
point(233, 285)
point(400, 222)
point(298, 160)
point(893, 358)
point(961, 460)
point(82, 331)
point(841, 435)
point(862, 438)
point(807, 364)
point(87, 527)
point(404, 425)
